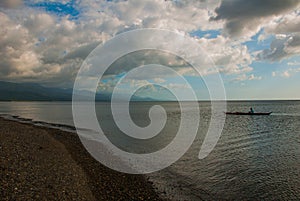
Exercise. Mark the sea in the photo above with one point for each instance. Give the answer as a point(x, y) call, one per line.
point(256, 157)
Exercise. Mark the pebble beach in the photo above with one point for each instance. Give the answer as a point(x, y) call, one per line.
point(39, 163)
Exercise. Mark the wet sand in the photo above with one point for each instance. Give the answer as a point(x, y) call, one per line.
point(40, 163)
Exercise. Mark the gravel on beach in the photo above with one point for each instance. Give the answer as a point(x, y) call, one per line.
point(39, 163)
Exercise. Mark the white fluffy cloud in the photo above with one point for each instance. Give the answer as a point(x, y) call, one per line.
point(131, 14)
point(41, 46)
point(229, 57)
point(37, 46)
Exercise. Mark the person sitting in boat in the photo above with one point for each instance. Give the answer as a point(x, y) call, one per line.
point(251, 110)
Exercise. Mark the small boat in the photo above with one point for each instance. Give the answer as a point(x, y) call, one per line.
point(248, 113)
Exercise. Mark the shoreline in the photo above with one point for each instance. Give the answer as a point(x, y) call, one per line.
point(48, 163)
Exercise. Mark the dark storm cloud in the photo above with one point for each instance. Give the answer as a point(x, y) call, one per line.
point(241, 15)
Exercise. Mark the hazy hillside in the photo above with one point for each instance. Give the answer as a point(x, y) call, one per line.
point(34, 92)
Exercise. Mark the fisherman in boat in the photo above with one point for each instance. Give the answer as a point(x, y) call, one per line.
point(251, 110)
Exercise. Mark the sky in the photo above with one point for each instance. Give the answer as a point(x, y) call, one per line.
point(255, 45)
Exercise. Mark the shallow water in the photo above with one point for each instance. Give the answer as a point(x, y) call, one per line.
point(257, 157)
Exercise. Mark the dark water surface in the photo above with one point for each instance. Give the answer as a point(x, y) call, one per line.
point(256, 158)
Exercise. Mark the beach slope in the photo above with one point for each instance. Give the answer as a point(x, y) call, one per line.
point(40, 163)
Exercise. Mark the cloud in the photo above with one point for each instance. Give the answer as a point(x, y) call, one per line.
point(294, 63)
point(286, 73)
point(246, 18)
point(132, 14)
point(244, 77)
point(289, 23)
point(276, 52)
point(229, 57)
point(10, 3)
point(253, 77)
point(36, 46)
point(16, 49)
point(287, 38)
point(81, 52)
point(40, 45)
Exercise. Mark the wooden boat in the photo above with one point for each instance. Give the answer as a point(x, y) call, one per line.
point(248, 113)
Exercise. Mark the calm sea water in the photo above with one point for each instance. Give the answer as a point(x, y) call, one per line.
point(257, 157)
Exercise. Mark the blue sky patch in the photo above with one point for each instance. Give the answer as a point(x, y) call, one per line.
point(205, 34)
point(254, 44)
point(58, 8)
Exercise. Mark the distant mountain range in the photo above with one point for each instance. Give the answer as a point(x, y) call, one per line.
point(35, 92)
